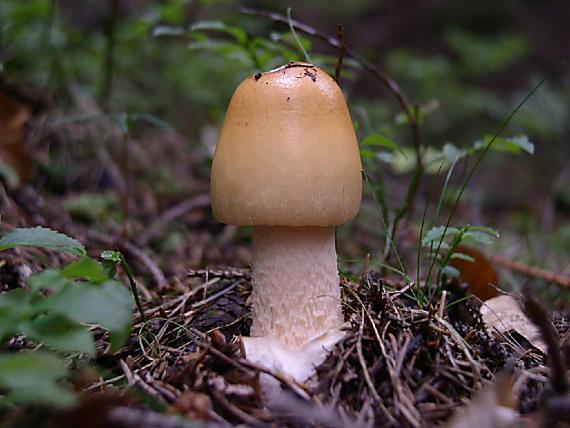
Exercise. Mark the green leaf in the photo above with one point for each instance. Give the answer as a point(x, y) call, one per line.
point(85, 268)
point(435, 234)
point(13, 300)
point(108, 304)
point(523, 142)
point(111, 256)
point(59, 332)
point(111, 261)
point(450, 271)
point(367, 154)
point(50, 278)
point(14, 305)
point(516, 145)
point(88, 207)
point(168, 30)
point(383, 141)
point(43, 238)
point(237, 33)
point(232, 51)
point(482, 234)
point(31, 377)
point(405, 160)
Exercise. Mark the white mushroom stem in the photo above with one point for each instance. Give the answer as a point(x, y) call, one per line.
point(296, 293)
point(296, 299)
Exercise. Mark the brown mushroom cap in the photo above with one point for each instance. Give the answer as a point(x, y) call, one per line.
point(288, 153)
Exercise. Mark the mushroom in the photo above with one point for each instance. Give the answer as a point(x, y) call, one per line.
point(288, 164)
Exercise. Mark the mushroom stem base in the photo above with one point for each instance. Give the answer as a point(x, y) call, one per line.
point(296, 293)
point(300, 363)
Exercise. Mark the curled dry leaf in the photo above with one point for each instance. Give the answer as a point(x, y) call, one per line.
point(479, 273)
point(504, 314)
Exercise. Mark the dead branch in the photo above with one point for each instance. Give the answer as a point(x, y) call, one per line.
point(171, 214)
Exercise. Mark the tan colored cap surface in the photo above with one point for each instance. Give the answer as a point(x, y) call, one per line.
point(287, 154)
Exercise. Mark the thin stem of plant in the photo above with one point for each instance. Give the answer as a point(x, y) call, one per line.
point(133, 286)
point(341, 52)
point(480, 159)
point(297, 40)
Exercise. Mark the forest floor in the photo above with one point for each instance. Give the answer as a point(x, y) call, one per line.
point(399, 363)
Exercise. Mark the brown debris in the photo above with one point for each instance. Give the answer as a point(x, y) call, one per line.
point(399, 364)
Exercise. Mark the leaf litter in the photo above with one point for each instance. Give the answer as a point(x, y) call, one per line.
point(398, 364)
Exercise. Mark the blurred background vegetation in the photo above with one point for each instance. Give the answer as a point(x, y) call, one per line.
point(125, 99)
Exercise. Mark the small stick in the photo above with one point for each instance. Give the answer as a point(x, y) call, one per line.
point(235, 411)
point(532, 271)
point(442, 303)
point(171, 214)
point(342, 50)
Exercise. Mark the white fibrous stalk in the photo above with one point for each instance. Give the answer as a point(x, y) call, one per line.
point(296, 293)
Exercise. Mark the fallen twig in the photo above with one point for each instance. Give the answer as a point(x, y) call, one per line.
point(532, 271)
point(172, 213)
point(539, 317)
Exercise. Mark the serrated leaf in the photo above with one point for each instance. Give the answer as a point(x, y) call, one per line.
point(31, 377)
point(435, 234)
point(107, 304)
point(59, 332)
point(43, 238)
point(484, 235)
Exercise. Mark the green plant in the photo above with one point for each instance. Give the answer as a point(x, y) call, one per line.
point(57, 311)
point(448, 239)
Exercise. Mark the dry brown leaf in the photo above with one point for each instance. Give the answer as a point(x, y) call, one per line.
point(479, 274)
point(13, 117)
point(504, 314)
